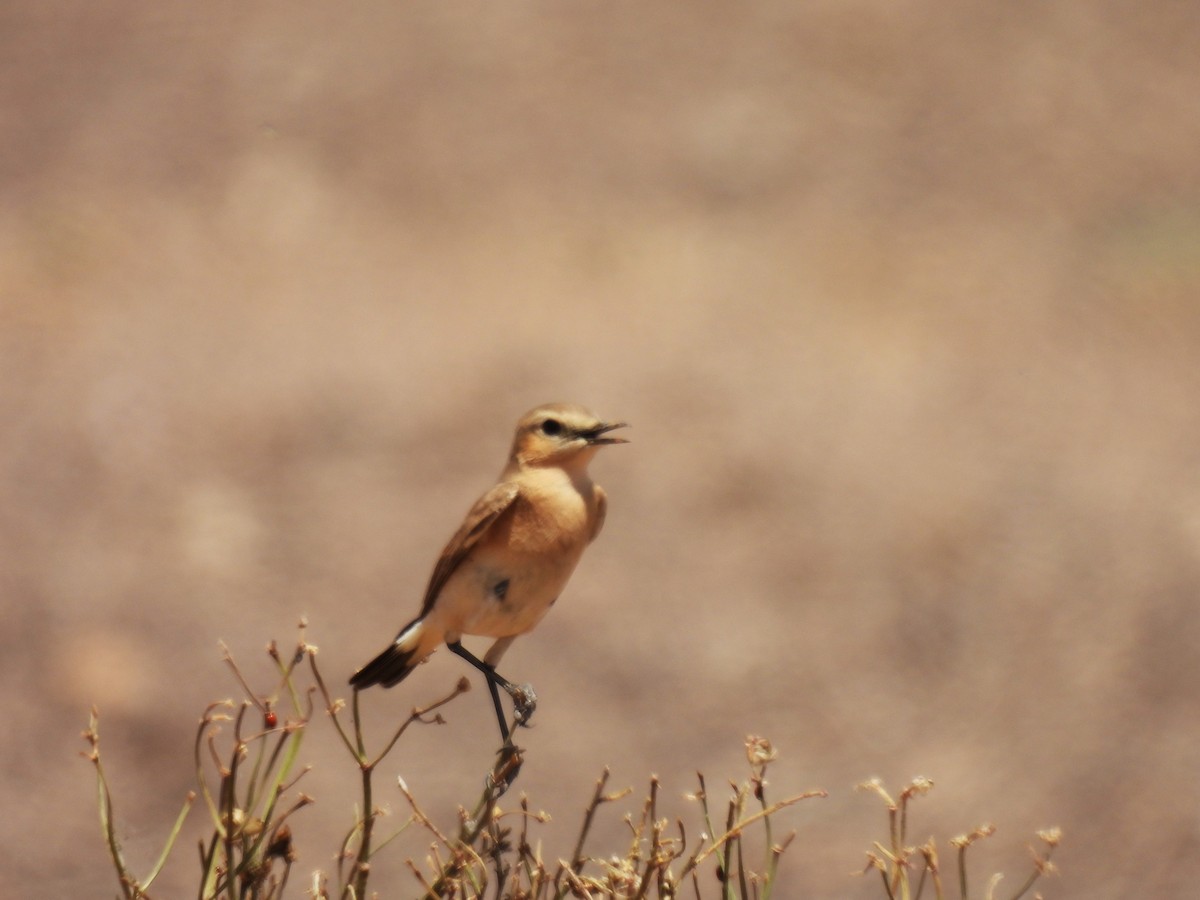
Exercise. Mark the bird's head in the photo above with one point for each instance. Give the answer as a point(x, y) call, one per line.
point(561, 434)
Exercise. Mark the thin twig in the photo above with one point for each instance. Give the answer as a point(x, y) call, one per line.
point(769, 811)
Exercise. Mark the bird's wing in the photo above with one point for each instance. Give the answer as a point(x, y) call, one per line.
point(487, 509)
point(601, 511)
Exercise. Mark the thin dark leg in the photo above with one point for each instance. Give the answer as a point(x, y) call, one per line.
point(524, 703)
point(494, 679)
point(504, 736)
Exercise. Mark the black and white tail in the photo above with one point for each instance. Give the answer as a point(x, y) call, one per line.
point(393, 665)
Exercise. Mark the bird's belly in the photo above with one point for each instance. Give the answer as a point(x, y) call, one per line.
point(493, 601)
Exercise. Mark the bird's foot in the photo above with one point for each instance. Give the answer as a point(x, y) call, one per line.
point(506, 770)
point(524, 703)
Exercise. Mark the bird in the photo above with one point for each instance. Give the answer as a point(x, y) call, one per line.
point(512, 556)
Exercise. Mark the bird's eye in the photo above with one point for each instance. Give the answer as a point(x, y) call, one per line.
point(552, 428)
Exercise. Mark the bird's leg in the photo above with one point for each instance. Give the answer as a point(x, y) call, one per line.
point(523, 698)
point(504, 735)
point(508, 766)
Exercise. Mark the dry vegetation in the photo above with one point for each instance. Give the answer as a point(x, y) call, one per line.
point(248, 787)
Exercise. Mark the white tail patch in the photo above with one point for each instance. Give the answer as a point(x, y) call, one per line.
point(410, 638)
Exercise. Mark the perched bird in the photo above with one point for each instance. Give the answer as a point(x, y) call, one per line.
point(512, 555)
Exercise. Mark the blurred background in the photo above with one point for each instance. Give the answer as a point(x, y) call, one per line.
point(901, 300)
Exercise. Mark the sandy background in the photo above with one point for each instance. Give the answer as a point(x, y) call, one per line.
point(901, 300)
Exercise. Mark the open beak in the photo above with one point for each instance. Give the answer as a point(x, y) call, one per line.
point(596, 435)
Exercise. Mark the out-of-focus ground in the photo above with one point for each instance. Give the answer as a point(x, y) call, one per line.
point(902, 300)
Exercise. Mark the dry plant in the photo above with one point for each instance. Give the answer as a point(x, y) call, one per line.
point(898, 863)
point(247, 769)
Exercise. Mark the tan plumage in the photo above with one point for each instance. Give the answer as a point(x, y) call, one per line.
point(515, 550)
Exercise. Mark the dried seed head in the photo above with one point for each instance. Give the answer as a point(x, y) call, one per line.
point(759, 751)
point(1052, 836)
point(919, 785)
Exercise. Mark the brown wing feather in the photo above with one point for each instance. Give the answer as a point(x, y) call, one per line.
point(487, 509)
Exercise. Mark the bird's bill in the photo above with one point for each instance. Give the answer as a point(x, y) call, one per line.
point(596, 435)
